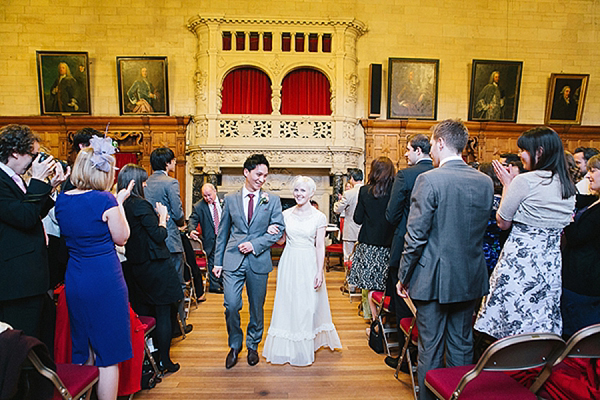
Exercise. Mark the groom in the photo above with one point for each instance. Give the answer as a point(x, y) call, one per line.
point(243, 255)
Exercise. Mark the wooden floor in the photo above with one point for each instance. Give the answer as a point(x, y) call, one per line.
point(354, 372)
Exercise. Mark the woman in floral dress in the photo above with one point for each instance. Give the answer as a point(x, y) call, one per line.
point(525, 286)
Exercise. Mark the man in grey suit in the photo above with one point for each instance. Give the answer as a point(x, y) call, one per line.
point(419, 161)
point(347, 205)
point(442, 267)
point(243, 255)
point(161, 188)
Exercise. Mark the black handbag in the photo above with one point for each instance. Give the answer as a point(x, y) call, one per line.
point(376, 337)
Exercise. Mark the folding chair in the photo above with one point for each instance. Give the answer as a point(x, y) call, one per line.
point(346, 287)
point(486, 380)
point(70, 380)
point(408, 326)
point(335, 248)
point(150, 323)
point(383, 305)
point(584, 343)
point(201, 260)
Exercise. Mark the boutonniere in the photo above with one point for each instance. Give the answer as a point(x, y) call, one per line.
point(264, 198)
point(221, 202)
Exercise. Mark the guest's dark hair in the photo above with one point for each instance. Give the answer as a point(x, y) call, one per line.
point(511, 158)
point(551, 158)
point(132, 172)
point(488, 169)
point(356, 174)
point(254, 161)
point(454, 133)
point(160, 157)
point(420, 141)
point(83, 137)
point(381, 176)
point(588, 152)
point(16, 139)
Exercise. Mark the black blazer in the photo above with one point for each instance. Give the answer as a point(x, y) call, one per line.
point(370, 212)
point(399, 205)
point(201, 215)
point(147, 239)
point(24, 257)
point(581, 255)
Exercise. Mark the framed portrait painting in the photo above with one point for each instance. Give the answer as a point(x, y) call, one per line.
point(143, 85)
point(566, 98)
point(412, 88)
point(63, 82)
point(495, 89)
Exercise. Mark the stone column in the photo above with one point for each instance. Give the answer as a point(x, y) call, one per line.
point(198, 181)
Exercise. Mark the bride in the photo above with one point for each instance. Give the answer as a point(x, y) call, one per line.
point(301, 321)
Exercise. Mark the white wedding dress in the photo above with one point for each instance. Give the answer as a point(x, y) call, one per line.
point(301, 321)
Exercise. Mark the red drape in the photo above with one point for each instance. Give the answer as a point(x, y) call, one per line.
point(305, 92)
point(123, 159)
point(246, 91)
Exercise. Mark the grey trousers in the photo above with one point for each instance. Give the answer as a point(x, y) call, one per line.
point(443, 326)
point(179, 264)
point(256, 287)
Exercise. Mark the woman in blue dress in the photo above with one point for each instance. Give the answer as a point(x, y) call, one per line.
point(92, 221)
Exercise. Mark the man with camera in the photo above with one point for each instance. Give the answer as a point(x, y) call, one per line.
point(24, 259)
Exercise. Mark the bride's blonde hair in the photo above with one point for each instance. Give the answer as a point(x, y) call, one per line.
point(312, 186)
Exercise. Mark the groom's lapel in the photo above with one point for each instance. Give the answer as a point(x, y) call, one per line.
point(240, 203)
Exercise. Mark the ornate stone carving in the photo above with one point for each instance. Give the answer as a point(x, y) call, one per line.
point(352, 85)
point(332, 100)
point(201, 128)
point(331, 63)
point(219, 100)
point(276, 102)
point(201, 82)
point(349, 130)
point(221, 62)
point(276, 65)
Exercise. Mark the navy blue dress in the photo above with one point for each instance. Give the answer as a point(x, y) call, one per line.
point(96, 292)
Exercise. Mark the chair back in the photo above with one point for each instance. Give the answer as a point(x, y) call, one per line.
point(585, 343)
point(515, 353)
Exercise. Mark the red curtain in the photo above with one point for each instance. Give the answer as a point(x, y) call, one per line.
point(246, 91)
point(305, 92)
point(122, 159)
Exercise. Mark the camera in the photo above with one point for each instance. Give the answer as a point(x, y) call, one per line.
point(44, 156)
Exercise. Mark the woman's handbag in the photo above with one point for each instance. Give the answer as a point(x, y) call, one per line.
point(376, 337)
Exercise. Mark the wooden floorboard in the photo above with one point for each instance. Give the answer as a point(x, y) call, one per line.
point(354, 372)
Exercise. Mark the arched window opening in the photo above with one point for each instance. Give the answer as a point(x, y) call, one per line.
point(305, 91)
point(246, 91)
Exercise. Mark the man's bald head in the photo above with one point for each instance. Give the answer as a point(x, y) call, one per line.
point(209, 193)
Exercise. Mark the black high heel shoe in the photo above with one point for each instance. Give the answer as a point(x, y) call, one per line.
point(171, 367)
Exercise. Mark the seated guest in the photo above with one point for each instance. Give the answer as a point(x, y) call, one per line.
point(92, 221)
point(24, 261)
point(580, 302)
point(154, 284)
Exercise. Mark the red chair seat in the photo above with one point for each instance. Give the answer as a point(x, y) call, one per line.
point(75, 377)
point(405, 326)
point(335, 248)
point(150, 323)
point(376, 296)
point(488, 385)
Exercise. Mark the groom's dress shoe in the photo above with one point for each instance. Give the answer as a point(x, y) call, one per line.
point(232, 358)
point(252, 357)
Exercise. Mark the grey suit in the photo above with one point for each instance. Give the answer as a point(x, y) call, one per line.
point(443, 263)
point(250, 269)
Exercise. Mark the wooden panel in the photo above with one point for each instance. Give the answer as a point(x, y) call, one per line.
point(492, 138)
point(155, 132)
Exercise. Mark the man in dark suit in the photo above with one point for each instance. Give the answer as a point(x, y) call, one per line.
point(243, 255)
point(24, 259)
point(161, 188)
point(208, 213)
point(419, 161)
point(442, 267)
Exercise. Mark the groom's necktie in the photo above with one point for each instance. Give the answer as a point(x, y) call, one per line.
point(250, 207)
point(216, 217)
